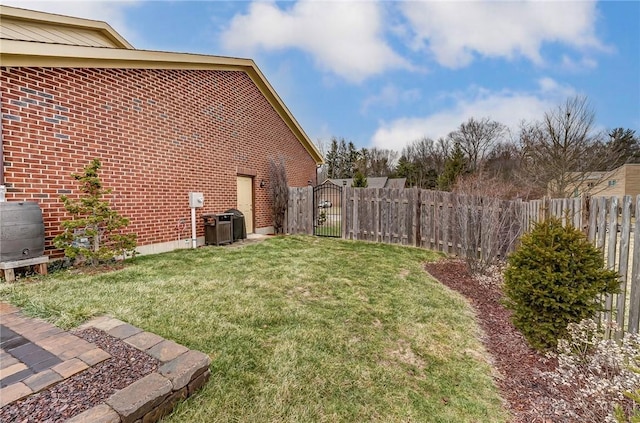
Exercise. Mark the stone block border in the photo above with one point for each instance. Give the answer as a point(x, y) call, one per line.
point(181, 373)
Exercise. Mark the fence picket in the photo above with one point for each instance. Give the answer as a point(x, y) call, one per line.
point(634, 298)
point(445, 223)
point(427, 219)
point(623, 264)
point(610, 255)
point(415, 222)
point(601, 224)
point(577, 212)
point(437, 220)
point(593, 211)
point(432, 221)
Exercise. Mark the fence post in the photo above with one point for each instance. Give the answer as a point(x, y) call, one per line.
point(416, 218)
point(287, 213)
point(308, 191)
point(546, 208)
point(343, 222)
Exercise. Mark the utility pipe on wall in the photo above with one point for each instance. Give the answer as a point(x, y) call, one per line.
point(194, 239)
point(196, 200)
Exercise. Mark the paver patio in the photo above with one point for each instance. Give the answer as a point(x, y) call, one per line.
point(34, 355)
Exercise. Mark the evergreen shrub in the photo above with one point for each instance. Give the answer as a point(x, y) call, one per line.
point(554, 278)
point(95, 232)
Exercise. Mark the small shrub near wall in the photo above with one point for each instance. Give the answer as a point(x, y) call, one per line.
point(278, 193)
point(94, 234)
point(555, 278)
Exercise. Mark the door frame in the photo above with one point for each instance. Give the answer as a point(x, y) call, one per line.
point(253, 199)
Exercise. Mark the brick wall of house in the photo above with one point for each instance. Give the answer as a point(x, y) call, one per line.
point(159, 134)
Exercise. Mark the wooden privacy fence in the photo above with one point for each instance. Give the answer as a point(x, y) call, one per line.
point(299, 218)
point(613, 226)
point(482, 227)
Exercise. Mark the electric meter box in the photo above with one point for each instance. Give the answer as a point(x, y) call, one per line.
point(196, 200)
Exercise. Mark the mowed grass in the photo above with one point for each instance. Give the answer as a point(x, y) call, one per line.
point(300, 329)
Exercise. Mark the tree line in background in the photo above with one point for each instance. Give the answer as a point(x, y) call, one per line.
point(553, 156)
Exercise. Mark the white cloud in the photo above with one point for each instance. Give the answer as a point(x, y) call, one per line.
point(506, 106)
point(345, 38)
point(390, 96)
point(111, 12)
point(549, 86)
point(572, 65)
point(454, 32)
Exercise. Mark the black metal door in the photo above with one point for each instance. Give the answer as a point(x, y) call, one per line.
point(327, 210)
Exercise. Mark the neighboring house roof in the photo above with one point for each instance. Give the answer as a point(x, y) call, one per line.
point(372, 182)
point(37, 39)
point(396, 183)
point(376, 182)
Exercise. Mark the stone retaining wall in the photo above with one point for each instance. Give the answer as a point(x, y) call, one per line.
point(180, 374)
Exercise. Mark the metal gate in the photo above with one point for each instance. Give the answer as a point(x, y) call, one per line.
point(327, 210)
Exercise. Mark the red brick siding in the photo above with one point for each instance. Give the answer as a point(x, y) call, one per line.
point(159, 134)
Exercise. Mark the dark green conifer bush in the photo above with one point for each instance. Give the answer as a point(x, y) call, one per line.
point(555, 278)
point(359, 180)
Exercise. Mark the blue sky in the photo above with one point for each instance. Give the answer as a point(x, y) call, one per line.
point(387, 73)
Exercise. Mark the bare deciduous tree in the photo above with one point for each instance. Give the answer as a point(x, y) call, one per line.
point(564, 153)
point(377, 161)
point(489, 226)
point(422, 161)
point(476, 138)
point(322, 171)
point(504, 163)
point(278, 193)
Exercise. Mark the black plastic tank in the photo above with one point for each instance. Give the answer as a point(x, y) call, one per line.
point(21, 231)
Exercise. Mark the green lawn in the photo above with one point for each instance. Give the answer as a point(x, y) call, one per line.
point(328, 230)
point(300, 329)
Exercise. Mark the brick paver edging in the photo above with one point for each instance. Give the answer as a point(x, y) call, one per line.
point(180, 374)
point(35, 355)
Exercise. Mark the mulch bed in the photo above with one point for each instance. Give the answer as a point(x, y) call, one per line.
point(517, 364)
point(86, 389)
